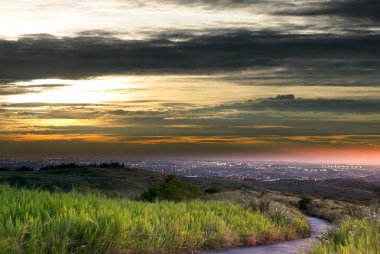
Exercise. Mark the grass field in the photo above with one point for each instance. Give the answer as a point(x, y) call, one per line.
point(34, 221)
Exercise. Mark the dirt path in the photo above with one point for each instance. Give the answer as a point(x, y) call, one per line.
point(318, 227)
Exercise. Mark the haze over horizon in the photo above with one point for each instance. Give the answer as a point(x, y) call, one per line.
point(251, 79)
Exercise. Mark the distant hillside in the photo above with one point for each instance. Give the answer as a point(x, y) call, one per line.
point(351, 190)
point(114, 181)
point(121, 181)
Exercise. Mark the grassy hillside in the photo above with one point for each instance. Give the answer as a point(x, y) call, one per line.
point(112, 181)
point(34, 221)
point(350, 190)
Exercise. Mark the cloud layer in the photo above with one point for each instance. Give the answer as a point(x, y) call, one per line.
point(226, 76)
point(318, 59)
point(352, 9)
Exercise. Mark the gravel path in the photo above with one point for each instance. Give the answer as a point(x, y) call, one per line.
point(318, 227)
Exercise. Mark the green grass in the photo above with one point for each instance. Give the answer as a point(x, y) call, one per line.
point(291, 220)
point(334, 211)
point(34, 221)
point(331, 210)
point(353, 236)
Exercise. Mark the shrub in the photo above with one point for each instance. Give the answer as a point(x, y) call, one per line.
point(172, 189)
point(304, 203)
point(214, 190)
point(61, 166)
point(261, 205)
point(24, 168)
point(16, 181)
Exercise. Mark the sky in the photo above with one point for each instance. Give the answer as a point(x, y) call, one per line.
point(238, 79)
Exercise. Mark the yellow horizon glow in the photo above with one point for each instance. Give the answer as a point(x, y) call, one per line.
point(340, 141)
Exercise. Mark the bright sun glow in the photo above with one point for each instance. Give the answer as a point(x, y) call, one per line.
point(99, 90)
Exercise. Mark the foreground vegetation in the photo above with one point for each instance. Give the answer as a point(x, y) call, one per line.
point(290, 218)
point(351, 237)
point(34, 221)
point(357, 228)
point(232, 213)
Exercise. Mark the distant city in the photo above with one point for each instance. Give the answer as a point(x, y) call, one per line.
point(254, 170)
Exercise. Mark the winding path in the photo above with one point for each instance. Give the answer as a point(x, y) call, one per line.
point(318, 227)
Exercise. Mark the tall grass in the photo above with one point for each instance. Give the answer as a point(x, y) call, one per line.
point(291, 220)
point(353, 236)
point(34, 221)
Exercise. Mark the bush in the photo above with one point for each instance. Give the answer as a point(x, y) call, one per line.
point(304, 203)
point(16, 181)
point(61, 166)
point(214, 190)
point(261, 205)
point(24, 168)
point(172, 189)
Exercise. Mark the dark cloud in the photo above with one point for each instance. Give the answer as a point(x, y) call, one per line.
point(324, 105)
point(177, 105)
point(279, 116)
point(46, 86)
point(291, 103)
point(43, 104)
point(219, 3)
point(14, 89)
point(285, 97)
point(358, 9)
point(313, 57)
point(6, 89)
